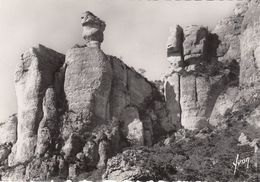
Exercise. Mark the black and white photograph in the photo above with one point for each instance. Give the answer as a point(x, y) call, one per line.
point(130, 90)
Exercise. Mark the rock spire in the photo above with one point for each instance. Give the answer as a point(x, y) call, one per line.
point(93, 29)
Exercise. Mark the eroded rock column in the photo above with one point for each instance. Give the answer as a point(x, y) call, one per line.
point(195, 79)
point(88, 80)
point(33, 76)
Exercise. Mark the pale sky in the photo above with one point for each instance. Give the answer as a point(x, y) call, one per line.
point(136, 30)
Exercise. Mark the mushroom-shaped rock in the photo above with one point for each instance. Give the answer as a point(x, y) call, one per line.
point(93, 29)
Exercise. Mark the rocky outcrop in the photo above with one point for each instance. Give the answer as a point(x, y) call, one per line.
point(87, 87)
point(196, 77)
point(77, 111)
point(93, 29)
point(229, 30)
point(223, 106)
point(203, 65)
point(121, 167)
point(88, 115)
point(8, 130)
point(240, 33)
point(48, 127)
point(100, 88)
point(131, 90)
point(34, 75)
point(249, 43)
point(194, 155)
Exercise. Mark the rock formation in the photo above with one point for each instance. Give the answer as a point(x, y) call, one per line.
point(78, 110)
point(8, 130)
point(196, 77)
point(93, 29)
point(87, 115)
point(34, 83)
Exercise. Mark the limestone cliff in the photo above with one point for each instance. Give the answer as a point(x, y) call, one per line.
point(196, 77)
point(77, 110)
point(87, 115)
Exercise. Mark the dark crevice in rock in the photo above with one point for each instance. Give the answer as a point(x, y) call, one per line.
point(179, 95)
point(62, 104)
point(234, 73)
point(195, 89)
point(213, 44)
point(112, 86)
point(215, 90)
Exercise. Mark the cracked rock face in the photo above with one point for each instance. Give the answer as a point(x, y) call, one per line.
point(195, 41)
point(206, 63)
point(228, 31)
point(78, 112)
point(223, 106)
point(87, 86)
point(34, 74)
point(196, 76)
point(249, 73)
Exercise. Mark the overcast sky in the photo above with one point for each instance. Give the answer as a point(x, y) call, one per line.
point(136, 30)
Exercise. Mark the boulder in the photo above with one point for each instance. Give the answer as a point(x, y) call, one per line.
point(254, 117)
point(195, 42)
point(42, 169)
point(93, 29)
point(132, 126)
point(121, 167)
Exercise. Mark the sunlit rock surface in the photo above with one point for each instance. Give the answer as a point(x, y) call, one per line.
point(88, 115)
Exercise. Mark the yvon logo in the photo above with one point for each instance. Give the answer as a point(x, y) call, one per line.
point(239, 162)
point(245, 157)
